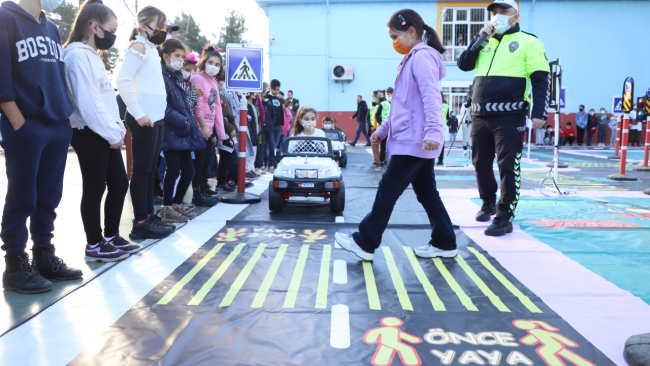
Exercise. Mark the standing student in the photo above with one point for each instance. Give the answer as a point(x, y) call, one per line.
point(452, 123)
point(98, 132)
point(603, 123)
point(142, 88)
point(259, 157)
point(276, 99)
point(295, 103)
point(445, 115)
point(613, 129)
point(253, 114)
point(209, 115)
point(382, 113)
point(182, 135)
point(592, 126)
point(35, 136)
point(269, 135)
point(637, 120)
point(228, 169)
point(415, 130)
point(581, 124)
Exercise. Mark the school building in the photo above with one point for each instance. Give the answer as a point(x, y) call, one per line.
point(599, 42)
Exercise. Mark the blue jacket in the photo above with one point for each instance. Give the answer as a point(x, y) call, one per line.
point(581, 119)
point(31, 65)
point(181, 129)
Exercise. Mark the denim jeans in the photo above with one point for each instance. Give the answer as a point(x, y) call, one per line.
point(602, 132)
point(277, 138)
point(267, 148)
point(403, 170)
point(360, 129)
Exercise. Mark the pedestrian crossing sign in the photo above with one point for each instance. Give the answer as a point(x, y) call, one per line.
point(244, 67)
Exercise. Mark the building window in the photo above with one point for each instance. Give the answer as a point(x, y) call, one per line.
point(459, 25)
point(455, 97)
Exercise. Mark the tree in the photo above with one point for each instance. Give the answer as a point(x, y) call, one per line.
point(234, 30)
point(190, 33)
point(63, 17)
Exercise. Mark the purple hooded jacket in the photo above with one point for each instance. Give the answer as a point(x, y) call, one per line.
point(416, 108)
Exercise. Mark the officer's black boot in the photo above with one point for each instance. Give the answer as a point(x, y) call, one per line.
point(52, 267)
point(22, 276)
point(488, 210)
point(499, 227)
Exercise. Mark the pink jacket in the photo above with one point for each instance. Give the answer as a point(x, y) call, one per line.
point(209, 105)
point(416, 108)
point(288, 120)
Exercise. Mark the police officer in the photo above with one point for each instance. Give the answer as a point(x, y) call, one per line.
point(505, 63)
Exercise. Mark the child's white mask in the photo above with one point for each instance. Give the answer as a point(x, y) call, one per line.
point(327, 126)
point(308, 125)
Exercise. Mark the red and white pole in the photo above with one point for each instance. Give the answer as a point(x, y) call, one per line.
point(618, 136)
point(624, 137)
point(647, 143)
point(241, 196)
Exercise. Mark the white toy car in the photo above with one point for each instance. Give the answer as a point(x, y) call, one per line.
point(308, 169)
point(338, 144)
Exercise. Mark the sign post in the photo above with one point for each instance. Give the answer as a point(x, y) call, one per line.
point(628, 103)
point(244, 70)
point(617, 109)
point(644, 167)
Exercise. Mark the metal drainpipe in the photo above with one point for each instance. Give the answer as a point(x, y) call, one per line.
point(530, 16)
point(327, 55)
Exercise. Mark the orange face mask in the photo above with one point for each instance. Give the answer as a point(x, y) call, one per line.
point(400, 48)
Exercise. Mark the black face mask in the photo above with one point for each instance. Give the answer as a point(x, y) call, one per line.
point(105, 43)
point(158, 37)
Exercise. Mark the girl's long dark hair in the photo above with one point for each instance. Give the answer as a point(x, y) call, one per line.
point(90, 11)
point(404, 19)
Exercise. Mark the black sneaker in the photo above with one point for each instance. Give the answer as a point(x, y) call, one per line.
point(104, 252)
point(159, 222)
point(125, 245)
point(25, 279)
point(488, 210)
point(352, 143)
point(202, 200)
point(499, 227)
point(52, 267)
point(148, 230)
point(207, 190)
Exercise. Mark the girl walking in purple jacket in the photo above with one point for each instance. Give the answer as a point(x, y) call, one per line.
point(415, 131)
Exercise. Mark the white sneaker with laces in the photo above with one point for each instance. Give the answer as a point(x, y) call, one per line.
point(429, 251)
point(346, 241)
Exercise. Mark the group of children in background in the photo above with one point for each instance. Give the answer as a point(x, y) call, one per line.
point(375, 116)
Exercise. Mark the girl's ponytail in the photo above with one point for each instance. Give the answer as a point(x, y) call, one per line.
point(145, 15)
point(404, 19)
point(433, 40)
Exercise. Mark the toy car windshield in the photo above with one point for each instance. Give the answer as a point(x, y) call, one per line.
point(333, 135)
point(308, 146)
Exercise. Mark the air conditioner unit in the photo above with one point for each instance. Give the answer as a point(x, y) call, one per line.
point(342, 72)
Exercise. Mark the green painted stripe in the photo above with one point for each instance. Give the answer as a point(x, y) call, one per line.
point(426, 284)
point(243, 275)
point(462, 296)
point(200, 295)
point(324, 279)
point(496, 301)
point(397, 280)
point(512, 288)
point(188, 277)
point(268, 280)
point(294, 286)
point(371, 286)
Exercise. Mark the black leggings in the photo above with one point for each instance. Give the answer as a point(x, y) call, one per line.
point(101, 168)
point(228, 167)
point(146, 143)
point(178, 162)
point(202, 164)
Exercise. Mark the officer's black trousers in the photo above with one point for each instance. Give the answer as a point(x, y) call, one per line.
point(504, 136)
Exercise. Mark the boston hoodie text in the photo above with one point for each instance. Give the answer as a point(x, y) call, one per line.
point(31, 65)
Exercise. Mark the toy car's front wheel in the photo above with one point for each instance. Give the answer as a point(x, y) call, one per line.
point(344, 160)
point(337, 199)
point(275, 199)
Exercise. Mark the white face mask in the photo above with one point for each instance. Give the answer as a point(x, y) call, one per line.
point(308, 125)
point(211, 70)
point(501, 23)
point(175, 65)
point(50, 5)
point(186, 74)
point(390, 98)
point(327, 126)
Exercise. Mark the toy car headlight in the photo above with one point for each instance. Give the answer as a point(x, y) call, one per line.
point(306, 173)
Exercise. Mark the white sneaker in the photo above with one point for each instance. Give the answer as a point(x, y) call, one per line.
point(429, 251)
point(346, 241)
